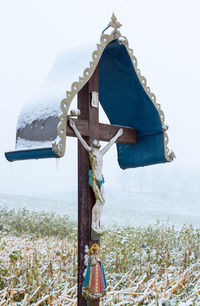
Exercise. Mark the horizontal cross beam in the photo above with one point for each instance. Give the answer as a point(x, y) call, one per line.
point(106, 132)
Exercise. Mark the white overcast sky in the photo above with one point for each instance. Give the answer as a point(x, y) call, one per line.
point(165, 38)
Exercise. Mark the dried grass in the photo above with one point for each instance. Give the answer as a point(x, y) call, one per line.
point(156, 265)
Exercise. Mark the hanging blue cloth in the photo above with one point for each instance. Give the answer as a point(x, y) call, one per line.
point(126, 103)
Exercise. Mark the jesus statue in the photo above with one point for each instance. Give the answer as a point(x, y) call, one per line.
point(96, 176)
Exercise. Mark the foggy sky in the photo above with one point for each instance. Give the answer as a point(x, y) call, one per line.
point(164, 36)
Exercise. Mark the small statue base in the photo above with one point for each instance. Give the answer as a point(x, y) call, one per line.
point(93, 302)
point(95, 236)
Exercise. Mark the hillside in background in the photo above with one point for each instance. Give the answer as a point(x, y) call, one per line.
point(143, 197)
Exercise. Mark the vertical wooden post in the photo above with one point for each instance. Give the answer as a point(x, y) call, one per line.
point(93, 131)
point(86, 198)
point(83, 197)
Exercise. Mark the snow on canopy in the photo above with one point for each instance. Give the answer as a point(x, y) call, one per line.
point(123, 93)
point(38, 119)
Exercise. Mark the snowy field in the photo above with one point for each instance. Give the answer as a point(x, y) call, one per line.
point(154, 265)
point(121, 208)
point(161, 266)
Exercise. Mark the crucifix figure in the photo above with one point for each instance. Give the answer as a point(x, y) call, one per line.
point(96, 176)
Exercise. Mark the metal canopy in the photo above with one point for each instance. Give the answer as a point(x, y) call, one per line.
point(123, 94)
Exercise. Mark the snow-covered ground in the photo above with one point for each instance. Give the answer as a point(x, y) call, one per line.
point(122, 207)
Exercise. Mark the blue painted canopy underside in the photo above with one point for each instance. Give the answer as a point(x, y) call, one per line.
point(30, 154)
point(126, 103)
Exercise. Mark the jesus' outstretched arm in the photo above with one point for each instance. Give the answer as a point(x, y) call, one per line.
point(83, 142)
point(112, 141)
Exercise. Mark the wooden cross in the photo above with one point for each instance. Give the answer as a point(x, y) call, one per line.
point(89, 127)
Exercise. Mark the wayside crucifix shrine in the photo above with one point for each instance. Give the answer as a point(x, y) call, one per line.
point(136, 126)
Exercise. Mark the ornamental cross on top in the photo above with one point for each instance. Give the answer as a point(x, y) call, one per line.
point(114, 23)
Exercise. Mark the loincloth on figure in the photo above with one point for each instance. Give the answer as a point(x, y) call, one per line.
point(94, 179)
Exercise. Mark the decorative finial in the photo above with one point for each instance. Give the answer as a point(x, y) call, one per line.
point(171, 155)
point(114, 23)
